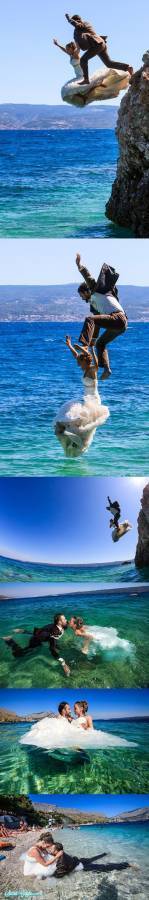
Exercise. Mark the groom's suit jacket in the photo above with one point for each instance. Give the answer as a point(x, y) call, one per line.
point(52, 634)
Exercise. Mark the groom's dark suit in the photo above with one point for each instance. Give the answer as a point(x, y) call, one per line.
point(49, 633)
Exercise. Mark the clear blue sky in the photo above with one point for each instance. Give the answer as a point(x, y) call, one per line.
point(109, 805)
point(53, 261)
point(32, 70)
point(103, 704)
point(64, 520)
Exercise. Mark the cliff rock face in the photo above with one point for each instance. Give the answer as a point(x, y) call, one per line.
point(142, 550)
point(129, 202)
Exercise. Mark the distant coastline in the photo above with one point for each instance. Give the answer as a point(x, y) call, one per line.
point(41, 117)
point(61, 303)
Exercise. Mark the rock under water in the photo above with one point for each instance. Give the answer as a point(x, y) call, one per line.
point(129, 202)
point(142, 550)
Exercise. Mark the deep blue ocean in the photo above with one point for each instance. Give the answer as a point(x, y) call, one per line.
point(38, 374)
point(56, 183)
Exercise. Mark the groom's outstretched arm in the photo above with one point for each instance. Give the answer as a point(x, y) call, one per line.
point(55, 653)
point(90, 281)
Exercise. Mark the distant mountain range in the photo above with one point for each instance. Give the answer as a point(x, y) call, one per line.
point(31, 117)
point(7, 716)
point(61, 303)
point(76, 817)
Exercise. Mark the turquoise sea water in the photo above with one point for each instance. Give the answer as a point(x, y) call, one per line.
point(16, 570)
point(121, 843)
point(129, 614)
point(24, 769)
point(56, 184)
point(38, 375)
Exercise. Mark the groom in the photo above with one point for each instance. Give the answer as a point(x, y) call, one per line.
point(50, 634)
point(107, 312)
point(94, 45)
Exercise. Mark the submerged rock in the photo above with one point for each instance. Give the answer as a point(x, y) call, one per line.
point(142, 550)
point(129, 202)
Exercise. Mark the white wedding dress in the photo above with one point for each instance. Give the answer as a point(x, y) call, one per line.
point(77, 420)
point(119, 532)
point(104, 85)
point(107, 638)
point(32, 867)
point(55, 733)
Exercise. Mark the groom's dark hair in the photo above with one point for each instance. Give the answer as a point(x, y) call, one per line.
point(62, 706)
point(57, 617)
point(46, 836)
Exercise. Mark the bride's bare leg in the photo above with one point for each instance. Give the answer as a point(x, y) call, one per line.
point(85, 647)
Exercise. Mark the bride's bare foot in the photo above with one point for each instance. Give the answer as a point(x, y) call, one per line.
point(106, 374)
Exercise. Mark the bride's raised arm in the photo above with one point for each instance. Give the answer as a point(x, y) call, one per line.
point(70, 345)
point(61, 46)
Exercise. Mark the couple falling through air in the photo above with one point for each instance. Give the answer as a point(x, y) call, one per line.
point(76, 422)
point(118, 528)
point(46, 858)
point(104, 83)
point(90, 637)
point(76, 732)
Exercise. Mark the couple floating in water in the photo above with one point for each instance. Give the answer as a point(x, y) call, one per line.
point(118, 528)
point(66, 732)
point(76, 422)
point(104, 84)
point(46, 858)
point(92, 638)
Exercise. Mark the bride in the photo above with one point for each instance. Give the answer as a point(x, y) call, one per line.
point(76, 422)
point(62, 731)
point(105, 84)
point(119, 530)
point(41, 859)
point(96, 636)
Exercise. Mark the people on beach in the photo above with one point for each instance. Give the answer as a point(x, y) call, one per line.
point(107, 312)
point(76, 421)
point(94, 45)
point(65, 732)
